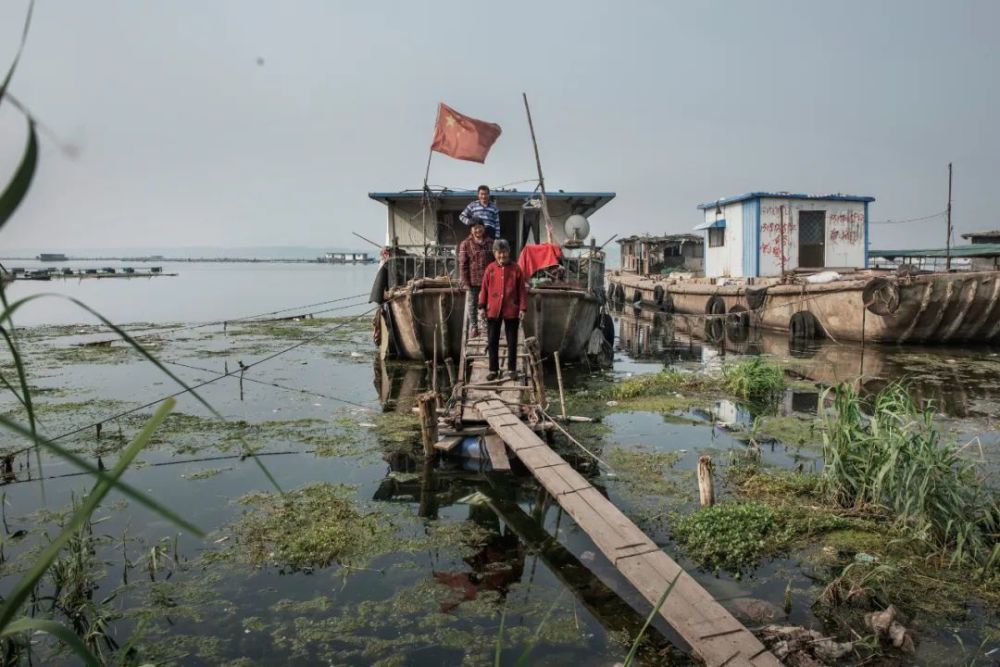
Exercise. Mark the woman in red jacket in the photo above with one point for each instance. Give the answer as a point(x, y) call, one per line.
point(503, 297)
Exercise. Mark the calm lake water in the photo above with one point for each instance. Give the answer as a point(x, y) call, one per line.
point(439, 558)
point(201, 291)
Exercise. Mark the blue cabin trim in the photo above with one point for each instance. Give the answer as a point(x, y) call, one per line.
point(711, 224)
point(783, 195)
point(866, 235)
point(751, 238)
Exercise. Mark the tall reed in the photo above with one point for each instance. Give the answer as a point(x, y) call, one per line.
point(895, 459)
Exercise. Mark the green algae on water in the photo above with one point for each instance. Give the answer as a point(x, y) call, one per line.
point(315, 526)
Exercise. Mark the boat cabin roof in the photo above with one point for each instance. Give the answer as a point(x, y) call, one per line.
point(975, 250)
point(782, 195)
point(583, 203)
point(669, 238)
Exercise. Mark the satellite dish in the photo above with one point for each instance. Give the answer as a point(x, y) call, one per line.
point(577, 228)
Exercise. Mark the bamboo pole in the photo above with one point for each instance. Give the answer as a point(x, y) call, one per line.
point(562, 396)
point(538, 164)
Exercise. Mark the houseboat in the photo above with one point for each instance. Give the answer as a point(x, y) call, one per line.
point(800, 263)
point(647, 262)
point(422, 304)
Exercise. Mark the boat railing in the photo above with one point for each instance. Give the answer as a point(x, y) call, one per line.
point(402, 268)
point(582, 271)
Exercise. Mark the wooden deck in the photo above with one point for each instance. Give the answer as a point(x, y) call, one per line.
point(714, 635)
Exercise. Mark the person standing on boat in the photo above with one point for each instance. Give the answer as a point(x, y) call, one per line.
point(485, 210)
point(503, 299)
point(474, 253)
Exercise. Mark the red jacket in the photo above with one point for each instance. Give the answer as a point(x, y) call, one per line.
point(504, 293)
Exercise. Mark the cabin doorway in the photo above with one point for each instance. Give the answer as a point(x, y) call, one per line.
point(812, 239)
point(509, 230)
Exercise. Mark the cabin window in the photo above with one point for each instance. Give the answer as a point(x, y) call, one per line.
point(717, 237)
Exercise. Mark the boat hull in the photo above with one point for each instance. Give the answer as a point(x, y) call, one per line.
point(417, 321)
point(924, 308)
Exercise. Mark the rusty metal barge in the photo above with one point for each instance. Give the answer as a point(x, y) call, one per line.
point(800, 264)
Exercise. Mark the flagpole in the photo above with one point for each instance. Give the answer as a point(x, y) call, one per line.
point(426, 197)
point(538, 163)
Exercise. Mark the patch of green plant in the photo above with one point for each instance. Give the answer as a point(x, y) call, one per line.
point(753, 378)
point(666, 380)
point(311, 527)
point(643, 472)
point(759, 483)
point(791, 430)
point(206, 473)
point(397, 430)
point(728, 536)
point(895, 458)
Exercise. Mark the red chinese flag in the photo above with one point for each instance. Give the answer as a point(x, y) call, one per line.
point(463, 137)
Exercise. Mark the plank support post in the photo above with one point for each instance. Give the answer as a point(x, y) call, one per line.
point(706, 489)
point(531, 346)
point(562, 396)
point(428, 421)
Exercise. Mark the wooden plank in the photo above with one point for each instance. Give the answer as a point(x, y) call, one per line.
point(714, 635)
point(497, 452)
point(449, 443)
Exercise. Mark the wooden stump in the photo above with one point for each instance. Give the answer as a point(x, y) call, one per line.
point(706, 489)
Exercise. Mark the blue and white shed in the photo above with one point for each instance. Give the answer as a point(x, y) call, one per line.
point(768, 233)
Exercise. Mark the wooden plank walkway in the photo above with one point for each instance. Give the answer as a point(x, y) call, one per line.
point(714, 635)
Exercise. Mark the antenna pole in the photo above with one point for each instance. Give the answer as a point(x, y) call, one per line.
point(538, 163)
point(947, 246)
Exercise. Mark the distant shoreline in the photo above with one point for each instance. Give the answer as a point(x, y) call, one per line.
point(150, 260)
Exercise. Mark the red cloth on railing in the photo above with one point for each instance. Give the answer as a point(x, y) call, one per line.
point(537, 257)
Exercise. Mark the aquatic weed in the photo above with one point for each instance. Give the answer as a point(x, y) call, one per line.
point(753, 378)
point(894, 458)
point(666, 380)
point(729, 536)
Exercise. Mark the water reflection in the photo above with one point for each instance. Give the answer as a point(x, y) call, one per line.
point(961, 382)
point(519, 523)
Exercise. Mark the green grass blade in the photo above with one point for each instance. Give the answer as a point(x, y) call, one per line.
point(12, 604)
point(57, 630)
point(14, 193)
point(104, 476)
point(499, 650)
point(20, 49)
point(649, 619)
point(522, 661)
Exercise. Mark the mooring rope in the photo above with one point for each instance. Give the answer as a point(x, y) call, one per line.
point(577, 442)
point(238, 371)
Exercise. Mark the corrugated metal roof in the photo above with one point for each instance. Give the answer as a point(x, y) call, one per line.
point(783, 195)
point(975, 250)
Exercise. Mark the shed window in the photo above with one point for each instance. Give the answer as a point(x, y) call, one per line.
point(716, 238)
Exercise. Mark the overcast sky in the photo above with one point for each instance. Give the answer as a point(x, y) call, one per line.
point(203, 122)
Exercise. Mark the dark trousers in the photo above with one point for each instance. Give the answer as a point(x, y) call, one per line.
point(493, 343)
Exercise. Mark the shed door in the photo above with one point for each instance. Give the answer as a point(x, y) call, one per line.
point(812, 239)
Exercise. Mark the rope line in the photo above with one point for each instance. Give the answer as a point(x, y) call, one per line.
point(240, 370)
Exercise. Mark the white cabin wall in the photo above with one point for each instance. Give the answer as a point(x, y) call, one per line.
point(845, 237)
point(727, 260)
